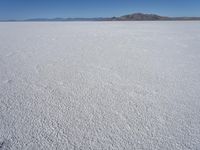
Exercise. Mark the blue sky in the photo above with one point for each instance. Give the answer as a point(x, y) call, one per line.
point(23, 9)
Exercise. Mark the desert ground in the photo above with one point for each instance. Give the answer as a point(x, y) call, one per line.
point(100, 85)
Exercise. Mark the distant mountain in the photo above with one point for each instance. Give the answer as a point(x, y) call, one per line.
point(130, 17)
point(141, 16)
point(151, 17)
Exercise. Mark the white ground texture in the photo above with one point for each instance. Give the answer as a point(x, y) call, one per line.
point(100, 85)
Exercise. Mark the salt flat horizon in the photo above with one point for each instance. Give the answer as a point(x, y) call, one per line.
point(100, 85)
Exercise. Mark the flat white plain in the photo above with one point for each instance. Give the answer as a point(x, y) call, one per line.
point(100, 85)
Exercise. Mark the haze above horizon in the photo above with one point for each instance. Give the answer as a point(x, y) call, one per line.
point(23, 9)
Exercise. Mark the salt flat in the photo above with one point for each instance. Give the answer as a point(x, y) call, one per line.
point(100, 85)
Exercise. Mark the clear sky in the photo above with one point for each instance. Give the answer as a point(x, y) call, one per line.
point(23, 9)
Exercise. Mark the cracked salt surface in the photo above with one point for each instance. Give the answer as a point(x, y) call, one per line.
point(100, 85)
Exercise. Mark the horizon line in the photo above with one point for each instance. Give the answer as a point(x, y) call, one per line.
point(92, 18)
